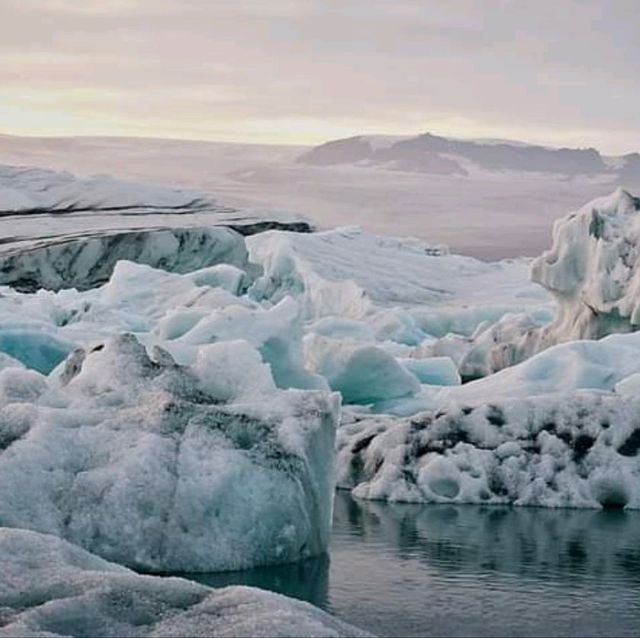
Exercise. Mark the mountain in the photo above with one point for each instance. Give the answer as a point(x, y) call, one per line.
point(434, 154)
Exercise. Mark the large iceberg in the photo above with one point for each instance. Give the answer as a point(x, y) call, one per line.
point(49, 587)
point(168, 468)
point(592, 273)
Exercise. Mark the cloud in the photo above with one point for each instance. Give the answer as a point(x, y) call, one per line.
point(302, 70)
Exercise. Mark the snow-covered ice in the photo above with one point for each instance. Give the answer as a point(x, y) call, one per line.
point(167, 468)
point(592, 269)
point(49, 587)
point(88, 261)
point(579, 449)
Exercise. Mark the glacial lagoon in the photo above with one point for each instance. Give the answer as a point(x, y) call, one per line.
point(442, 570)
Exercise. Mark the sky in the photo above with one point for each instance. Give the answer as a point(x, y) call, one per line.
point(562, 72)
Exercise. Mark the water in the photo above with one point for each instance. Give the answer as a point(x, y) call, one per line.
point(414, 570)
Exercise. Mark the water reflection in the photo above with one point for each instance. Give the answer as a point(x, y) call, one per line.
point(526, 542)
point(307, 580)
point(470, 571)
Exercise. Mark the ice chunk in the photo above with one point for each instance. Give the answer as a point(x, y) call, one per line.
point(576, 365)
point(231, 370)
point(433, 370)
point(286, 273)
point(226, 276)
point(39, 350)
point(592, 269)
point(389, 272)
point(35, 189)
point(49, 587)
point(275, 332)
point(399, 326)
point(132, 458)
point(362, 373)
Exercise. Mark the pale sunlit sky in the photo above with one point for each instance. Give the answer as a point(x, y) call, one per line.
point(304, 71)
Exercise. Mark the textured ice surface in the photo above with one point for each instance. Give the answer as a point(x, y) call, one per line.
point(88, 261)
point(366, 304)
point(592, 269)
point(167, 468)
point(362, 373)
point(592, 272)
point(49, 587)
point(575, 365)
point(388, 272)
point(576, 449)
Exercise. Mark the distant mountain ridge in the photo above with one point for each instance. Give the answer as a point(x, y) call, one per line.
point(427, 153)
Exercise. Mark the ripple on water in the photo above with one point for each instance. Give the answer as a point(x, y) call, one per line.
point(470, 571)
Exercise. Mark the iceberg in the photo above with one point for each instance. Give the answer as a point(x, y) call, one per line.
point(164, 467)
point(592, 270)
point(578, 449)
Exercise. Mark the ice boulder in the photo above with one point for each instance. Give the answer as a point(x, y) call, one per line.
point(166, 468)
point(575, 365)
point(492, 347)
point(593, 270)
point(49, 587)
point(361, 372)
point(287, 271)
point(276, 332)
point(569, 450)
point(432, 370)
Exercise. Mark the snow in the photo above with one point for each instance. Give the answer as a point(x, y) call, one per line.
point(49, 587)
point(167, 468)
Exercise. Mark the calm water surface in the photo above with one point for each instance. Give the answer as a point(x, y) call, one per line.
point(409, 570)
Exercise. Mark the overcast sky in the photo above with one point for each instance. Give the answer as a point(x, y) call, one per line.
point(303, 71)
